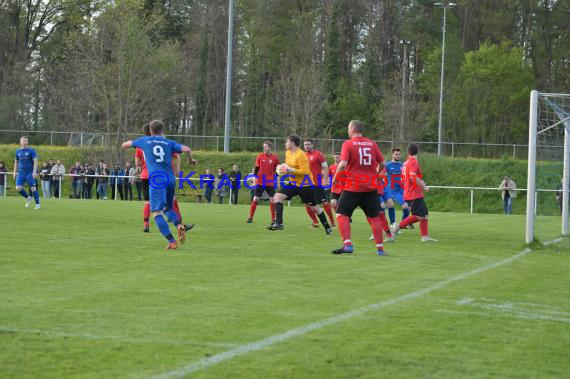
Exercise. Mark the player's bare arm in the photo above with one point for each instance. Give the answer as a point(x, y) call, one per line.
point(127, 144)
point(15, 168)
point(35, 172)
point(325, 173)
point(188, 151)
point(340, 168)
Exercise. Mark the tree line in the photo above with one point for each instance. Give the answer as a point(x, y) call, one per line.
point(300, 66)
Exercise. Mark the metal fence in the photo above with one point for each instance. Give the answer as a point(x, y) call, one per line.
point(326, 145)
point(466, 196)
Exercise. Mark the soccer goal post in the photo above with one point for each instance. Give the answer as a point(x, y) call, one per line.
point(549, 124)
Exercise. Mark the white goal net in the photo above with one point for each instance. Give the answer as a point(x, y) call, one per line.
point(549, 128)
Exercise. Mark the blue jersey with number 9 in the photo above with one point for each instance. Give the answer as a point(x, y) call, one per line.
point(158, 153)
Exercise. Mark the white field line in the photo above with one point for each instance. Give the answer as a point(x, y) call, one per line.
point(514, 307)
point(504, 313)
point(163, 341)
point(278, 338)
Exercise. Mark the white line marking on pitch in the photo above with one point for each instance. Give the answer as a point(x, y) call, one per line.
point(165, 341)
point(269, 341)
point(504, 313)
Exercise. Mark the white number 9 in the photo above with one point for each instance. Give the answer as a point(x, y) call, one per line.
point(158, 152)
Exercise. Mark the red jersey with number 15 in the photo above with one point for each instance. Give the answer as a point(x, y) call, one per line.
point(267, 164)
point(363, 157)
point(411, 170)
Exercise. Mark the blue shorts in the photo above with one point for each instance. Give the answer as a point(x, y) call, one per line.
point(22, 179)
point(162, 199)
point(397, 196)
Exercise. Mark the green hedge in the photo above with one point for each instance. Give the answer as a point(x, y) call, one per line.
point(437, 171)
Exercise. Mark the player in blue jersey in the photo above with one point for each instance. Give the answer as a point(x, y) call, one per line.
point(158, 152)
point(26, 171)
point(394, 191)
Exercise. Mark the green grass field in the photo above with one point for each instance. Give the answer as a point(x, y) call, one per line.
point(86, 294)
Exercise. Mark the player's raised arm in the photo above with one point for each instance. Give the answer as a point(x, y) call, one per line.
point(188, 151)
point(127, 144)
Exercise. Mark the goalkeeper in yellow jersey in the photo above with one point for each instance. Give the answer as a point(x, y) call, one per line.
point(302, 183)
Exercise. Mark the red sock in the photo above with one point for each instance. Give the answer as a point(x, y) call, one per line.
point(252, 208)
point(272, 210)
point(176, 210)
point(376, 226)
point(327, 208)
point(385, 225)
point(409, 221)
point(424, 227)
point(344, 228)
point(311, 214)
point(146, 212)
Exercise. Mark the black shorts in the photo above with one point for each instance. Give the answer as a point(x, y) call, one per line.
point(320, 195)
point(367, 201)
point(335, 196)
point(418, 207)
point(258, 191)
point(307, 194)
point(146, 196)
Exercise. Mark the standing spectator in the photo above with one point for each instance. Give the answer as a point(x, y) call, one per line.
point(209, 185)
point(117, 181)
point(103, 175)
point(98, 169)
point(128, 182)
point(2, 179)
point(508, 193)
point(222, 185)
point(57, 172)
point(138, 182)
point(45, 178)
point(235, 178)
point(76, 180)
point(88, 180)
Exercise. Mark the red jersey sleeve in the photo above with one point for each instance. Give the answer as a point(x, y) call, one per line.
point(345, 152)
point(257, 163)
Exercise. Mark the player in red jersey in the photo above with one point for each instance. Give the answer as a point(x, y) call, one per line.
point(335, 191)
point(140, 162)
point(319, 168)
point(265, 165)
point(414, 187)
point(358, 174)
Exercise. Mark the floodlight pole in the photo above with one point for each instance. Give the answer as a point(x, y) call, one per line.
point(443, 5)
point(228, 119)
point(531, 173)
point(404, 77)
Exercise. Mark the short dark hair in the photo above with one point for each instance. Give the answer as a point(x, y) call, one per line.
point(357, 126)
point(295, 139)
point(268, 143)
point(395, 149)
point(156, 127)
point(309, 140)
point(413, 149)
point(146, 129)
point(336, 153)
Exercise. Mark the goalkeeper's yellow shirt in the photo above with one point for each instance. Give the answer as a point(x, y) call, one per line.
point(299, 161)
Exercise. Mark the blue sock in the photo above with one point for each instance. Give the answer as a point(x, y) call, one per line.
point(172, 217)
point(24, 193)
point(163, 227)
point(392, 215)
point(405, 213)
point(36, 197)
